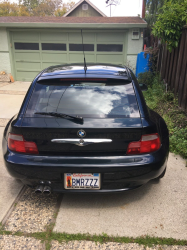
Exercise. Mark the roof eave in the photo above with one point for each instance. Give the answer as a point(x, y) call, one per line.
point(75, 25)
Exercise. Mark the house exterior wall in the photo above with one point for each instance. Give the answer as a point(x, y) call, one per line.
point(134, 47)
point(84, 13)
point(4, 52)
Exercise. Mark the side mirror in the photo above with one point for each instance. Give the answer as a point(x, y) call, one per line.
point(143, 86)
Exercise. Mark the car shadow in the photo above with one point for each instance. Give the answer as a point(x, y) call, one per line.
point(103, 200)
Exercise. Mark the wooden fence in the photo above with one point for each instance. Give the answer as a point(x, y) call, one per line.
point(173, 69)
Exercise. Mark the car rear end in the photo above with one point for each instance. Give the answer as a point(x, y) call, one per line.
point(111, 148)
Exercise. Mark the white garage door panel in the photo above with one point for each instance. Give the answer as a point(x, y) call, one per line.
point(26, 36)
point(87, 37)
point(54, 36)
point(27, 56)
point(27, 75)
point(27, 65)
point(110, 58)
point(110, 37)
point(54, 57)
point(80, 58)
point(48, 64)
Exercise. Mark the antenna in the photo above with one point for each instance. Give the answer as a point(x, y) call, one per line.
point(112, 2)
point(85, 67)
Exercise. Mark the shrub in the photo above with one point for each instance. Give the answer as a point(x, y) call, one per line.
point(178, 141)
point(166, 105)
point(146, 78)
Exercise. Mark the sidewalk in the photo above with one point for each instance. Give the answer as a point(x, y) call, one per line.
point(10, 103)
point(11, 98)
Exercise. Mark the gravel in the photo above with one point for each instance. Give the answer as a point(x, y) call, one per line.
point(19, 243)
point(89, 245)
point(33, 213)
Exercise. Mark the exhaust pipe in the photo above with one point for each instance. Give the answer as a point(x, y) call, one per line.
point(39, 189)
point(47, 190)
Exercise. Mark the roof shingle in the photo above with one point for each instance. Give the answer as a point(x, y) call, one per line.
point(66, 20)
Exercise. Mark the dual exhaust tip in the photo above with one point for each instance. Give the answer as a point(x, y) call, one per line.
point(42, 189)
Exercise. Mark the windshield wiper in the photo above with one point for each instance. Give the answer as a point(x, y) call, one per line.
point(76, 119)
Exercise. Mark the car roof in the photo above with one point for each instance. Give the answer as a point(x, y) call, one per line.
point(78, 70)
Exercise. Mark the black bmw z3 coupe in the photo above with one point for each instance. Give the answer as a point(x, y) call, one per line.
point(85, 130)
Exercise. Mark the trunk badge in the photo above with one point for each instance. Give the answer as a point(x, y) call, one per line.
point(81, 142)
point(81, 133)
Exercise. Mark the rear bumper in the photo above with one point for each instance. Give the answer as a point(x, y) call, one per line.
point(118, 173)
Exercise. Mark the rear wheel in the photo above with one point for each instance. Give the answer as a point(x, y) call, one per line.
point(161, 176)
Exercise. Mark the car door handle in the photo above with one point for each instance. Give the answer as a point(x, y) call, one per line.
point(81, 142)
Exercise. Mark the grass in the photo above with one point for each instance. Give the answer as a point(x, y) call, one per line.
point(48, 236)
point(166, 104)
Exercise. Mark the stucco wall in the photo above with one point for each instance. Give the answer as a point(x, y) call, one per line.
point(131, 62)
point(4, 52)
point(134, 47)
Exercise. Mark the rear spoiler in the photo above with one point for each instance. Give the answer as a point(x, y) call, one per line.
point(85, 77)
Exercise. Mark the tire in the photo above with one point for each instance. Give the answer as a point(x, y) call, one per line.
point(161, 176)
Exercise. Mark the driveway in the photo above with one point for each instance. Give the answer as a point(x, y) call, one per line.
point(11, 97)
point(157, 209)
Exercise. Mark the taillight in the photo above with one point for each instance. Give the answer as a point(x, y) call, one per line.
point(17, 143)
point(147, 144)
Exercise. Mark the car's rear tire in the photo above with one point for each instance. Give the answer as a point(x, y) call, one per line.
point(161, 176)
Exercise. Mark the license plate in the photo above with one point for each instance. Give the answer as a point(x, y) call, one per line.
point(82, 181)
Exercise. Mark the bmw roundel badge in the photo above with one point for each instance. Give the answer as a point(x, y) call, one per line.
point(81, 133)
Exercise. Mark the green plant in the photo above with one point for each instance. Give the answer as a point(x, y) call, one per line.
point(166, 104)
point(170, 22)
point(145, 78)
point(152, 9)
point(178, 141)
point(63, 237)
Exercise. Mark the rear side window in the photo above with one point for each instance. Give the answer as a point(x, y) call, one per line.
point(85, 98)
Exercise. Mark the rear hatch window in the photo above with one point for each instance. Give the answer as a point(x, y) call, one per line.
point(87, 98)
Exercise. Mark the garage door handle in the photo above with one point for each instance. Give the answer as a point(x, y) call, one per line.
point(81, 142)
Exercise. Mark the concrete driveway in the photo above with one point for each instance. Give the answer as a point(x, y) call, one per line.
point(11, 97)
point(157, 209)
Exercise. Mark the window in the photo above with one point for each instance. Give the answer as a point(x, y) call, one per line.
point(135, 34)
point(54, 46)
point(85, 7)
point(110, 47)
point(26, 46)
point(79, 47)
point(85, 98)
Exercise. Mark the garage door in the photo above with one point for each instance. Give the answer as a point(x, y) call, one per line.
point(33, 51)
